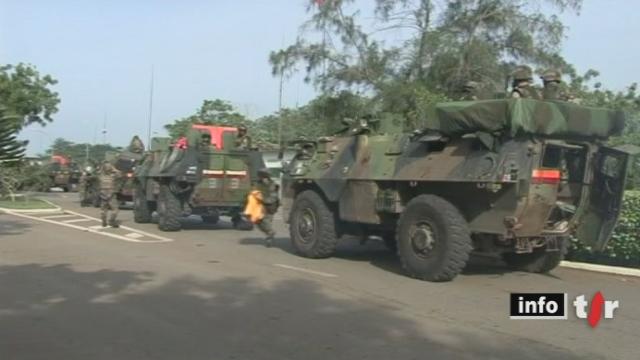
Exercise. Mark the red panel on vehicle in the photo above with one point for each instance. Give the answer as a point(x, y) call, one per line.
point(216, 133)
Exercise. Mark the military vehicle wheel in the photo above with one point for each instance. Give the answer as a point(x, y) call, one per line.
point(142, 210)
point(169, 209)
point(312, 226)
point(538, 261)
point(433, 239)
point(210, 219)
point(65, 189)
point(239, 223)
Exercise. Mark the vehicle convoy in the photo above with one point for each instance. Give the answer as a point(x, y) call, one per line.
point(201, 174)
point(514, 177)
point(63, 173)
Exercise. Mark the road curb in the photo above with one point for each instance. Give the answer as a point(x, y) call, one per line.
point(617, 270)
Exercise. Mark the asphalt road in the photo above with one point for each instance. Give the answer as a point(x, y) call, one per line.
point(210, 292)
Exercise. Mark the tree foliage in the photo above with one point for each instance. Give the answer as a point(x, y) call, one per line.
point(446, 43)
point(10, 148)
point(78, 151)
point(26, 93)
point(212, 112)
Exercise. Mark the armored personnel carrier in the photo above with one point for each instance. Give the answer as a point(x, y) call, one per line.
point(510, 177)
point(201, 174)
point(63, 173)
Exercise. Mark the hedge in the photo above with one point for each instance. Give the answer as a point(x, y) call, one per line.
point(624, 247)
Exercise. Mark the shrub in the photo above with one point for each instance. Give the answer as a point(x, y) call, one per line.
point(624, 246)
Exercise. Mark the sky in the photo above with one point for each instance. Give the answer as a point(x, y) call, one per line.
point(102, 53)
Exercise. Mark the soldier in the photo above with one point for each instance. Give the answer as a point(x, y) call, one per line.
point(552, 80)
point(108, 177)
point(136, 145)
point(83, 185)
point(522, 86)
point(469, 91)
point(243, 141)
point(270, 203)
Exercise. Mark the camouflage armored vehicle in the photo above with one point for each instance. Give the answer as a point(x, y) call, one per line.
point(63, 173)
point(200, 174)
point(512, 177)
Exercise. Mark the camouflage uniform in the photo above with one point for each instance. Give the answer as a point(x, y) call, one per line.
point(108, 178)
point(243, 141)
point(83, 186)
point(469, 91)
point(522, 84)
point(552, 80)
point(136, 145)
point(270, 201)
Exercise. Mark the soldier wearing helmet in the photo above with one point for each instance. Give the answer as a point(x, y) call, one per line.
point(108, 178)
point(469, 91)
point(552, 81)
point(270, 202)
point(522, 85)
point(243, 141)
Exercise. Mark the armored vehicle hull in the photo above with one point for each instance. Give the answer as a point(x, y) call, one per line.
point(195, 177)
point(481, 185)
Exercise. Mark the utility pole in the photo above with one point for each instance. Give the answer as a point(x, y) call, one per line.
point(150, 109)
point(104, 129)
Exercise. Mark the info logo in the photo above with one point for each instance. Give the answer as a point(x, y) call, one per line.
point(530, 306)
point(546, 306)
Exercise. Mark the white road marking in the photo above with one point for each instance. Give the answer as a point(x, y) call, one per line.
point(157, 237)
point(134, 235)
point(76, 220)
point(58, 216)
point(319, 273)
point(97, 229)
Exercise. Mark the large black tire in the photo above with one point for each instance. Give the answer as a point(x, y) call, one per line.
point(433, 239)
point(142, 209)
point(169, 209)
point(312, 226)
point(538, 261)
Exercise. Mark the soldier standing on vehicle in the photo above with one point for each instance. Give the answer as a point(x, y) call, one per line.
point(136, 145)
point(552, 81)
point(469, 91)
point(270, 202)
point(522, 86)
point(243, 141)
point(108, 177)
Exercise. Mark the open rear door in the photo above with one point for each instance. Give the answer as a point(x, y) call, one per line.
point(610, 167)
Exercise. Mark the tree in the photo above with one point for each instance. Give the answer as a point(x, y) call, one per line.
point(212, 112)
point(11, 149)
point(24, 92)
point(79, 152)
point(477, 40)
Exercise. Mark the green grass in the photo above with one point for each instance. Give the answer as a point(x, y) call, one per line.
point(24, 203)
